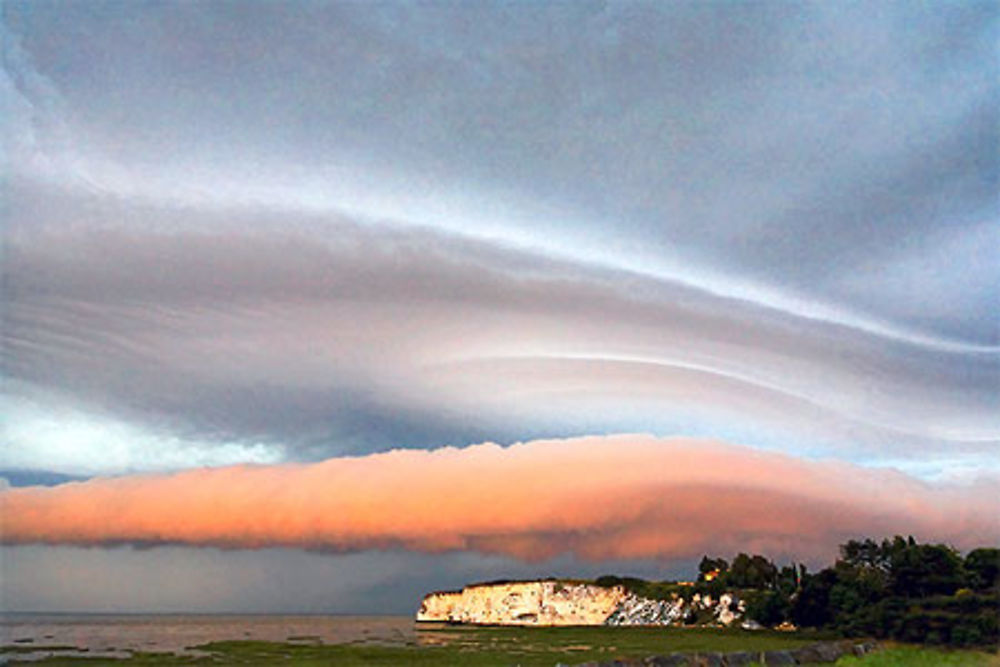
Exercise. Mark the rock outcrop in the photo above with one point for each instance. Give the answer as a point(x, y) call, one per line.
point(571, 603)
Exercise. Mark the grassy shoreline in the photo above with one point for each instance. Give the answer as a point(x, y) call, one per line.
point(533, 647)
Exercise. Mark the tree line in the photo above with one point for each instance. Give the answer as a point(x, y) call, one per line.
point(893, 589)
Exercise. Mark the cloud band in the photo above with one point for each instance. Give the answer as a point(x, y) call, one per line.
point(599, 497)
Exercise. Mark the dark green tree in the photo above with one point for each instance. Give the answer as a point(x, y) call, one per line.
point(752, 572)
point(709, 565)
point(811, 607)
point(982, 569)
point(769, 608)
point(920, 570)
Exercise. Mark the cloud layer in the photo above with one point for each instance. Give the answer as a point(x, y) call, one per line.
point(787, 154)
point(597, 498)
point(234, 331)
point(241, 233)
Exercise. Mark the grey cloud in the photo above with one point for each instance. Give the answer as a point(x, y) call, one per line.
point(331, 336)
point(774, 145)
point(36, 478)
point(267, 580)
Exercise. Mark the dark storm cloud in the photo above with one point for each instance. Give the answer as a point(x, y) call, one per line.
point(266, 580)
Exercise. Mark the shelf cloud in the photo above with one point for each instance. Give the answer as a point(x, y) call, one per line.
point(598, 498)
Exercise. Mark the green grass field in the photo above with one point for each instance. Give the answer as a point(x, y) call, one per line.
point(919, 656)
point(526, 647)
point(454, 645)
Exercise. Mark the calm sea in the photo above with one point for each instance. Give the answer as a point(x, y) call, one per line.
point(117, 635)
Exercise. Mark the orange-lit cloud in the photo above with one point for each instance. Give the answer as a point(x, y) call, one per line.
point(627, 496)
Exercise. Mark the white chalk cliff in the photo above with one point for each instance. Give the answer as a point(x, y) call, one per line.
point(551, 602)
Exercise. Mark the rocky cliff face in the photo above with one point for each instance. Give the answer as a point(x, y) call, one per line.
point(635, 610)
point(565, 603)
point(524, 603)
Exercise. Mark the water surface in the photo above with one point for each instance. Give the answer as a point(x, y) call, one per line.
point(120, 635)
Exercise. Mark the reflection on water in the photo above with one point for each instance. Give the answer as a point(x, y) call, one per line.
point(118, 635)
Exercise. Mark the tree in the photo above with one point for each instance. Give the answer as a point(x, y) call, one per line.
point(710, 568)
point(919, 570)
point(752, 572)
point(982, 568)
point(812, 606)
point(867, 554)
point(769, 608)
point(788, 580)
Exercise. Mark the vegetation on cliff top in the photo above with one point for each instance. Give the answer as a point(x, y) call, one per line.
point(893, 589)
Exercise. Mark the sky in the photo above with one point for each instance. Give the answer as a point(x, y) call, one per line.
point(319, 306)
